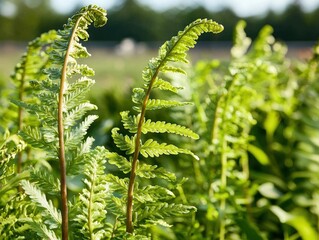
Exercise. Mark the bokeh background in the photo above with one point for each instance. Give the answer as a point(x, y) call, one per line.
point(136, 28)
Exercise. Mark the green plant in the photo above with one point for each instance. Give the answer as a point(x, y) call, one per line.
point(248, 181)
point(51, 87)
point(249, 171)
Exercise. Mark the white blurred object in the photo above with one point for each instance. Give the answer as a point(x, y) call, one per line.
point(129, 47)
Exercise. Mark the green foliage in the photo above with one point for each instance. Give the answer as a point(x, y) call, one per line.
point(150, 202)
point(52, 89)
point(90, 209)
point(250, 114)
point(50, 58)
point(252, 160)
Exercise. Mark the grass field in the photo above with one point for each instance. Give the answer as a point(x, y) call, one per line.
point(118, 72)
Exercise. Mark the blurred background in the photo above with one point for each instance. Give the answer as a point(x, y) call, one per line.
point(136, 28)
point(145, 20)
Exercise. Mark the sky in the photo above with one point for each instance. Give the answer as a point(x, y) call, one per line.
point(243, 8)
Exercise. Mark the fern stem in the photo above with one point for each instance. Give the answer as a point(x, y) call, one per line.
point(129, 208)
point(62, 161)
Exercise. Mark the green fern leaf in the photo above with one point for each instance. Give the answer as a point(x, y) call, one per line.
point(165, 85)
point(172, 52)
point(76, 92)
point(45, 182)
point(125, 143)
point(138, 95)
point(154, 104)
point(74, 137)
point(76, 113)
point(118, 185)
point(161, 210)
point(93, 197)
point(42, 230)
point(76, 159)
point(172, 69)
point(241, 41)
point(33, 136)
point(153, 194)
point(130, 123)
point(119, 161)
point(162, 127)
point(154, 149)
point(152, 171)
point(51, 215)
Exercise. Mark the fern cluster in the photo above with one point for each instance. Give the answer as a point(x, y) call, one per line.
point(87, 201)
point(256, 120)
point(252, 156)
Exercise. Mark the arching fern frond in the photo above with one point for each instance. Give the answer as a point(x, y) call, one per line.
point(61, 103)
point(171, 54)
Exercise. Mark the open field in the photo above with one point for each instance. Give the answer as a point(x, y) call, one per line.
point(116, 68)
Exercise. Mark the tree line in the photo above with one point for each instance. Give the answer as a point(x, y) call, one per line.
point(141, 23)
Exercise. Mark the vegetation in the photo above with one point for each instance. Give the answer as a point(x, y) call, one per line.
point(228, 151)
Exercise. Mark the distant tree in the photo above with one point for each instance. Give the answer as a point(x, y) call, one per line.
point(29, 21)
point(292, 23)
point(133, 20)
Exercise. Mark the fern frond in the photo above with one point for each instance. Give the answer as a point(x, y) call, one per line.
point(92, 200)
point(165, 85)
point(162, 127)
point(33, 136)
point(51, 215)
point(77, 112)
point(153, 148)
point(130, 123)
point(75, 136)
point(153, 194)
point(241, 41)
point(175, 49)
point(173, 69)
point(154, 104)
point(161, 210)
point(76, 159)
point(119, 161)
point(117, 184)
point(42, 230)
point(125, 143)
point(152, 171)
point(45, 181)
point(75, 93)
point(10, 145)
point(170, 53)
